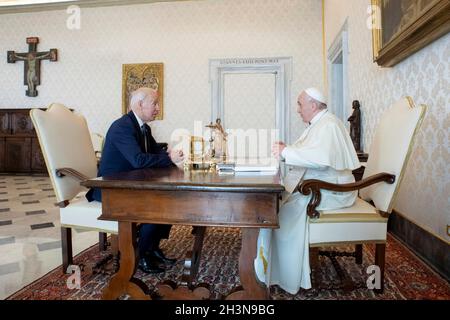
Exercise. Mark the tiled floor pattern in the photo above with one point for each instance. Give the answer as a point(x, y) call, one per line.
point(30, 239)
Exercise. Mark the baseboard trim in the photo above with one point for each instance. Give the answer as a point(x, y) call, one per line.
point(431, 249)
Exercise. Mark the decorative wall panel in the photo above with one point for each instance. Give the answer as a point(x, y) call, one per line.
point(425, 76)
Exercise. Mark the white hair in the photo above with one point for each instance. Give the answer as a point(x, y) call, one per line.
point(319, 104)
point(140, 95)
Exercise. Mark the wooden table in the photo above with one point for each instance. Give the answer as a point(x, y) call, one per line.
point(196, 198)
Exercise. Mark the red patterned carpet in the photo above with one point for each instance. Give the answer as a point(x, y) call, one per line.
point(406, 276)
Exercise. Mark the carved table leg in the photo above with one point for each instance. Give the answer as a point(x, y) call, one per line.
point(192, 261)
point(250, 288)
point(124, 282)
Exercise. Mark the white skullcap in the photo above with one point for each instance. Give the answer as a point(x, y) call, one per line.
point(316, 95)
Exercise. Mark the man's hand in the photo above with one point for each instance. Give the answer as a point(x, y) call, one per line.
point(277, 149)
point(176, 155)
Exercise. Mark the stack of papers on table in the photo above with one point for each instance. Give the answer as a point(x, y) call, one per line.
point(255, 168)
point(246, 166)
point(225, 168)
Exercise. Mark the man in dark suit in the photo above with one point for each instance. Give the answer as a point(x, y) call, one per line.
point(130, 145)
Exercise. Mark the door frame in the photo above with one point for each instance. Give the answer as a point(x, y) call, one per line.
point(338, 47)
point(281, 67)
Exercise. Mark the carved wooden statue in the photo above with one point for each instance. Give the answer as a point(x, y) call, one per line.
point(355, 126)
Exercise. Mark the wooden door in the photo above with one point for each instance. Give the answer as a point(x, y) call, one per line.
point(17, 154)
point(4, 123)
point(37, 159)
point(21, 123)
point(2, 154)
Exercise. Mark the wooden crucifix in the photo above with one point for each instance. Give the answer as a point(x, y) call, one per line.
point(32, 59)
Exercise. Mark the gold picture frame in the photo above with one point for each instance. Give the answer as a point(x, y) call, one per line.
point(134, 76)
point(402, 27)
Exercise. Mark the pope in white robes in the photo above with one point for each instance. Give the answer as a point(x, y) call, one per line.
point(325, 152)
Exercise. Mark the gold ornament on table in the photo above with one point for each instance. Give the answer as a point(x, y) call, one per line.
point(199, 158)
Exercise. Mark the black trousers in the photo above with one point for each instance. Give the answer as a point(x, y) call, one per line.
point(150, 235)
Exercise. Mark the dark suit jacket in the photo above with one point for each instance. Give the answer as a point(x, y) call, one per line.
point(124, 150)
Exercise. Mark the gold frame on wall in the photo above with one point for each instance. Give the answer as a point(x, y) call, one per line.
point(430, 20)
point(134, 76)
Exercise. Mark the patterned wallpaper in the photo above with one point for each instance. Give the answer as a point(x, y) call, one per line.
point(425, 76)
point(182, 35)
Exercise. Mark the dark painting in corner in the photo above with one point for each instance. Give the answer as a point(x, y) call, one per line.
point(402, 27)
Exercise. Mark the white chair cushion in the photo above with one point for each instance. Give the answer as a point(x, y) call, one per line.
point(359, 207)
point(81, 213)
point(346, 232)
point(360, 222)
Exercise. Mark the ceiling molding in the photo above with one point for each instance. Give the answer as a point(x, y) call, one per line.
point(80, 3)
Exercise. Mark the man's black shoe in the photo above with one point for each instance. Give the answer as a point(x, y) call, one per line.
point(159, 256)
point(149, 265)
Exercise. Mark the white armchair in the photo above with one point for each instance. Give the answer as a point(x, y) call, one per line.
point(70, 158)
point(365, 222)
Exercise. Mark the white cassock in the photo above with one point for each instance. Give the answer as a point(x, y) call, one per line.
point(325, 152)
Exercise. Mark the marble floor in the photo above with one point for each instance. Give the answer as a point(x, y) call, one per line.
point(30, 239)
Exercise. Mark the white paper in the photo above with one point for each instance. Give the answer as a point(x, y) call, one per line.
point(255, 168)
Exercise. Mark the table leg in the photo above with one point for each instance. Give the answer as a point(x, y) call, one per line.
point(250, 288)
point(192, 261)
point(124, 281)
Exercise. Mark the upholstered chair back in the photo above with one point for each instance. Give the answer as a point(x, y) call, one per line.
point(391, 149)
point(65, 143)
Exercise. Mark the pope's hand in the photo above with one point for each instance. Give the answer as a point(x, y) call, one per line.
point(277, 149)
point(176, 155)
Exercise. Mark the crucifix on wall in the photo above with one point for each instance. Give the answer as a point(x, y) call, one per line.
point(32, 60)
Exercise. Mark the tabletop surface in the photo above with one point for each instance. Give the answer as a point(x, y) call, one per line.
point(174, 178)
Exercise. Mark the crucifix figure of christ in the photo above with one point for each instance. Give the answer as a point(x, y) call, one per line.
point(32, 60)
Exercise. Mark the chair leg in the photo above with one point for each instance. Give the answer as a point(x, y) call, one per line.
point(66, 244)
point(102, 241)
point(358, 253)
point(380, 252)
point(314, 263)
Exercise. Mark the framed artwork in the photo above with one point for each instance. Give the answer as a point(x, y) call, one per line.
point(148, 75)
point(402, 27)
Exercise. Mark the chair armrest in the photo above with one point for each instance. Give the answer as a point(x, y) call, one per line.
point(313, 187)
point(72, 173)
